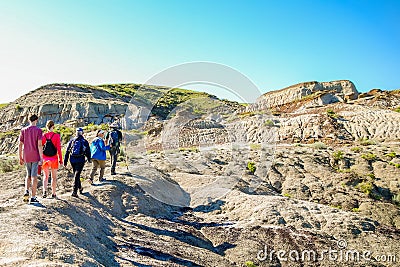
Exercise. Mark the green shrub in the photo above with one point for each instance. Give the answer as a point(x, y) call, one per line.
point(365, 187)
point(336, 207)
point(356, 149)
point(319, 145)
point(371, 175)
point(397, 165)
point(338, 155)
point(397, 109)
point(367, 142)
point(18, 107)
point(331, 114)
point(250, 264)
point(255, 146)
point(65, 132)
point(369, 156)
point(251, 166)
point(269, 123)
point(396, 199)
point(8, 165)
point(3, 105)
point(355, 209)
point(391, 155)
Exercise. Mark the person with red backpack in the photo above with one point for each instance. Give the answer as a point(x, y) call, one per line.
point(52, 156)
point(77, 150)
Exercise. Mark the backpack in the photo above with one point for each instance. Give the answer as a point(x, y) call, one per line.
point(77, 148)
point(49, 148)
point(114, 138)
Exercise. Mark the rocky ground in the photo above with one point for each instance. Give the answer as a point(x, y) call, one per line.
point(137, 218)
point(305, 183)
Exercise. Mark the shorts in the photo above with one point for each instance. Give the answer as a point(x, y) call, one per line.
point(32, 169)
point(50, 164)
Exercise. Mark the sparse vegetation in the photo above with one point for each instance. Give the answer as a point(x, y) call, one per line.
point(397, 109)
point(3, 105)
point(371, 175)
point(356, 149)
point(338, 155)
point(8, 134)
point(8, 165)
point(355, 209)
point(269, 123)
point(255, 146)
point(287, 195)
point(65, 132)
point(396, 199)
point(339, 207)
point(367, 142)
point(319, 145)
point(397, 165)
point(369, 157)
point(251, 167)
point(332, 114)
point(365, 187)
point(391, 155)
point(250, 264)
point(18, 107)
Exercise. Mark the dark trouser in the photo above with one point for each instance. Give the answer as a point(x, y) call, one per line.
point(114, 156)
point(77, 168)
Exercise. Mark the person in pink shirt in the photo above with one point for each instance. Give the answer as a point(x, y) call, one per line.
point(52, 156)
point(30, 152)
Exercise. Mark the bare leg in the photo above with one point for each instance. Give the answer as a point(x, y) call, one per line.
point(45, 179)
point(53, 181)
point(34, 185)
point(28, 182)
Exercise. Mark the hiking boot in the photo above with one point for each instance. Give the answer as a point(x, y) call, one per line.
point(74, 194)
point(81, 190)
point(34, 200)
point(26, 197)
point(44, 195)
point(102, 179)
point(53, 195)
point(113, 173)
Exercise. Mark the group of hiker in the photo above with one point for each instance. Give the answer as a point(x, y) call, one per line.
point(42, 152)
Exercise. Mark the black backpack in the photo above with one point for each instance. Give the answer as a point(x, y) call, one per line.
point(49, 148)
point(114, 138)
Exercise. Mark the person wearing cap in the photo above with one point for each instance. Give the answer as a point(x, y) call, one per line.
point(30, 152)
point(115, 139)
point(77, 150)
point(98, 149)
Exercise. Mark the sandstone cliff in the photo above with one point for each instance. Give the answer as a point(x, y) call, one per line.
point(327, 92)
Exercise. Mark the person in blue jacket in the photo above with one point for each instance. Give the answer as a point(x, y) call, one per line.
point(98, 149)
point(77, 150)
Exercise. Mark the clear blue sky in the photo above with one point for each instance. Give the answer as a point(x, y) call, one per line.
point(274, 43)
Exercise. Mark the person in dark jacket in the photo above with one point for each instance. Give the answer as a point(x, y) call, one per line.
point(115, 140)
point(98, 149)
point(77, 150)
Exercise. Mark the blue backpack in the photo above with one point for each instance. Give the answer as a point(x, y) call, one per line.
point(78, 148)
